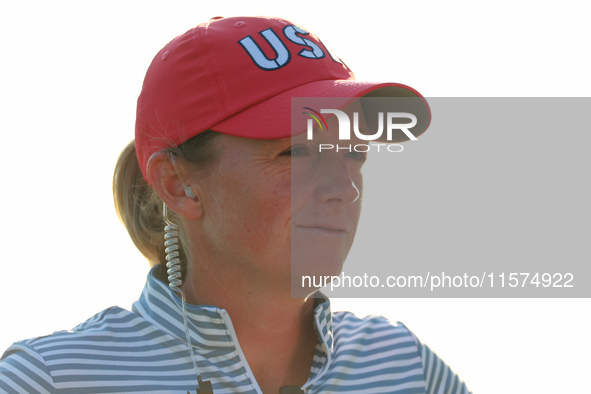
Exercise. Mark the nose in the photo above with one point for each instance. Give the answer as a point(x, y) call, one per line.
point(338, 185)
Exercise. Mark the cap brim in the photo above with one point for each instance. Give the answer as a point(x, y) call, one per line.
point(272, 118)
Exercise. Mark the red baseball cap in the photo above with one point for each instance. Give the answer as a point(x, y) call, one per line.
point(237, 76)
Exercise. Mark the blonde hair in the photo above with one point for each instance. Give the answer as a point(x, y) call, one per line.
point(138, 205)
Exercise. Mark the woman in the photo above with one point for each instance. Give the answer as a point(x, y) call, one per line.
point(244, 201)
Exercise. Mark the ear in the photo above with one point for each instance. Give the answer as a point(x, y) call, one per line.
point(167, 183)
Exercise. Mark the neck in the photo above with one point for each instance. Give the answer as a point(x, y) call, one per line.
point(275, 331)
point(261, 305)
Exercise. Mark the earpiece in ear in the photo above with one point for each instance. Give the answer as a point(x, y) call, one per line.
point(189, 192)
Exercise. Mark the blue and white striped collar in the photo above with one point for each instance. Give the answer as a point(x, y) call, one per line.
point(208, 328)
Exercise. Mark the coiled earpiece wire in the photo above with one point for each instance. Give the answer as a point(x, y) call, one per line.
point(173, 263)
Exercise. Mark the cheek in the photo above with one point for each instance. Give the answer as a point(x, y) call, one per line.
point(263, 207)
point(269, 200)
point(262, 223)
point(302, 188)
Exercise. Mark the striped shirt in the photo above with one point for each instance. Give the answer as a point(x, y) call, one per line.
point(145, 351)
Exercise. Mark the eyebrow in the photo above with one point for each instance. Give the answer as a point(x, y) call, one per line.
point(271, 145)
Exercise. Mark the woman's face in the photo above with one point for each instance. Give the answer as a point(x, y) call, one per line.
point(274, 205)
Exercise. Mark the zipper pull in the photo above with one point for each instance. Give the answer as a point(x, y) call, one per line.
point(204, 386)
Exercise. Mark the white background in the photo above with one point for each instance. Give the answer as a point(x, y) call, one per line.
point(71, 74)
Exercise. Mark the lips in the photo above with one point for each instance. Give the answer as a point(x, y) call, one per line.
point(325, 229)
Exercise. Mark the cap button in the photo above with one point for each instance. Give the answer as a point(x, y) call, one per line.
point(215, 18)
